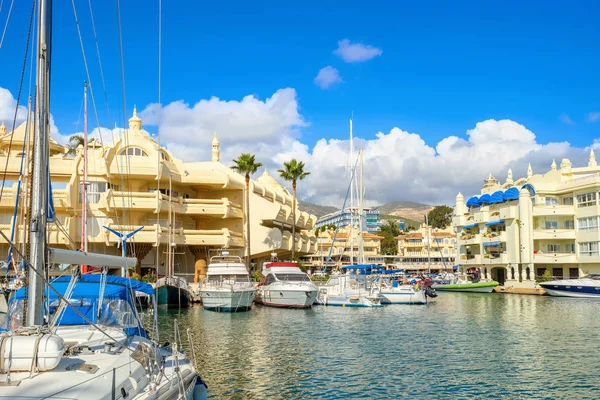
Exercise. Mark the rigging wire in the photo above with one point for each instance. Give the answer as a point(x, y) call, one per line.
point(18, 97)
point(7, 19)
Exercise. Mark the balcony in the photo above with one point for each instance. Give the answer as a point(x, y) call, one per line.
point(553, 258)
point(219, 207)
point(493, 237)
point(547, 210)
point(495, 258)
point(469, 238)
point(469, 259)
point(542, 234)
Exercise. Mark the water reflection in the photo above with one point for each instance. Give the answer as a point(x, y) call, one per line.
point(462, 345)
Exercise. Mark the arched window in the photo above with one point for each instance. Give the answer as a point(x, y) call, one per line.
point(163, 156)
point(133, 151)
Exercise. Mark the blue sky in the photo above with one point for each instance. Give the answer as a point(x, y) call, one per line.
point(444, 66)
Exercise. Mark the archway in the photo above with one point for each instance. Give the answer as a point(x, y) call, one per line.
point(499, 275)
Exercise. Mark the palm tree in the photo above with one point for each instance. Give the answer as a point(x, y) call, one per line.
point(247, 165)
point(293, 171)
point(74, 142)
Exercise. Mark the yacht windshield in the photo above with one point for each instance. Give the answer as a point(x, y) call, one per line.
point(592, 276)
point(293, 277)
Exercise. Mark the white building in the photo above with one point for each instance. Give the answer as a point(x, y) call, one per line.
point(517, 230)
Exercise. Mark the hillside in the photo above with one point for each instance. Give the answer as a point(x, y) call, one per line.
point(315, 209)
point(407, 210)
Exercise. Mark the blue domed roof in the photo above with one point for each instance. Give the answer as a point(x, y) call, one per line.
point(497, 197)
point(473, 202)
point(486, 198)
point(511, 194)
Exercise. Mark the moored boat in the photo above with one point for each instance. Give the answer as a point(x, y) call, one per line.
point(285, 285)
point(350, 289)
point(173, 291)
point(585, 287)
point(228, 286)
point(477, 287)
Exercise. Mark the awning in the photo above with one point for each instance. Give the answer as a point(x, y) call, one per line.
point(511, 194)
point(497, 197)
point(486, 198)
point(455, 267)
point(473, 202)
point(470, 226)
point(492, 244)
point(491, 223)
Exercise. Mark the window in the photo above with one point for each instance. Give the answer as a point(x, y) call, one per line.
point(586, 199)
point(569, 224)
point(553, 248)
point(551, 224)
point(551, 201)
point(133, 151)
point(589, 224)
point(573, 273)
point(293, 277)
point(588, 248)
point(567, 201)
point(570, 248)
point(557, 273)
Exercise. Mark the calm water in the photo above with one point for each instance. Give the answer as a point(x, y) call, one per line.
point(460, 346)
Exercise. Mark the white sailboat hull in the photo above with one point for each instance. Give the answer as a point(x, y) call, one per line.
point(403, 296)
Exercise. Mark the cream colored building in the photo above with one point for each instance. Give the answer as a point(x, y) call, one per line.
point(427, 249)
point(134, 183)
point(343, 248)
point(517, 230)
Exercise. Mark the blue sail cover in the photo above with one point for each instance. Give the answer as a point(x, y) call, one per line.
point(117, 302)
point(511, 194)
point(364, 269)
point(497, 197)
point(473, 202)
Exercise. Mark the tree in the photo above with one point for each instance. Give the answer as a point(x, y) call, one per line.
point(247, 165)
point(440, 216)
point(74, 142)
point(293, 171)
point(389, 231)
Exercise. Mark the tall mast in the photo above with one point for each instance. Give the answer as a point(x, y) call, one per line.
point(428, 243)
point(351, 196)
point(361, 207)
point(169, 250)
point(40, 184)
point(84, 245)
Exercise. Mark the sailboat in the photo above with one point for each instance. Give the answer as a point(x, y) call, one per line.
point(172, 290)
point(80, 336)
point(351, 288)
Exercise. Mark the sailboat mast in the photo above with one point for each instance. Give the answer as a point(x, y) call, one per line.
point(428, 243)
point(40, 184)
point(351, 196)
point(169, 250)
point(84, 245)
point(361, 208)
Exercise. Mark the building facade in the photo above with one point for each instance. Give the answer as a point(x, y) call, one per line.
point(345, 249)
point(427, 249)
point(344, 218)
point(517, 230)
point(133, 183)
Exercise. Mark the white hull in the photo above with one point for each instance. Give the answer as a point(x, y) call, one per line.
point(564, 293)
point(290, 296)
point(350, 299)
point(411, 296)
point(98, 374)
point(227, 300)
point(441, 288)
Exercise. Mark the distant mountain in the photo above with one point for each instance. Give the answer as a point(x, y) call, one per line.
point(315, 209)
point(407, 210)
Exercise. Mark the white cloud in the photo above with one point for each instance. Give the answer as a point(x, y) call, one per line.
point(8, 104)
point(356, 52)
point(327, 77)
point(594, 116)
point(398, 165)
point(564, 117)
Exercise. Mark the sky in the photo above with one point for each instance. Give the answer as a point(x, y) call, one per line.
point(441, 93)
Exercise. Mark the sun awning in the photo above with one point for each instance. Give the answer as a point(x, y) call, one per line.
point(492, 244)
point(511, 194)
point(491, 223)
point(470, 226)
point(497, 197)
point(473, 202)
point(486, 198)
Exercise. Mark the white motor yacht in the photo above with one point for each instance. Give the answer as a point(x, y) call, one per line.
point(285, 285)
point(587, 286)
point(228, 286)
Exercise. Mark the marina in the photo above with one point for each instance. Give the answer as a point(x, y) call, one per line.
point(461, 345)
